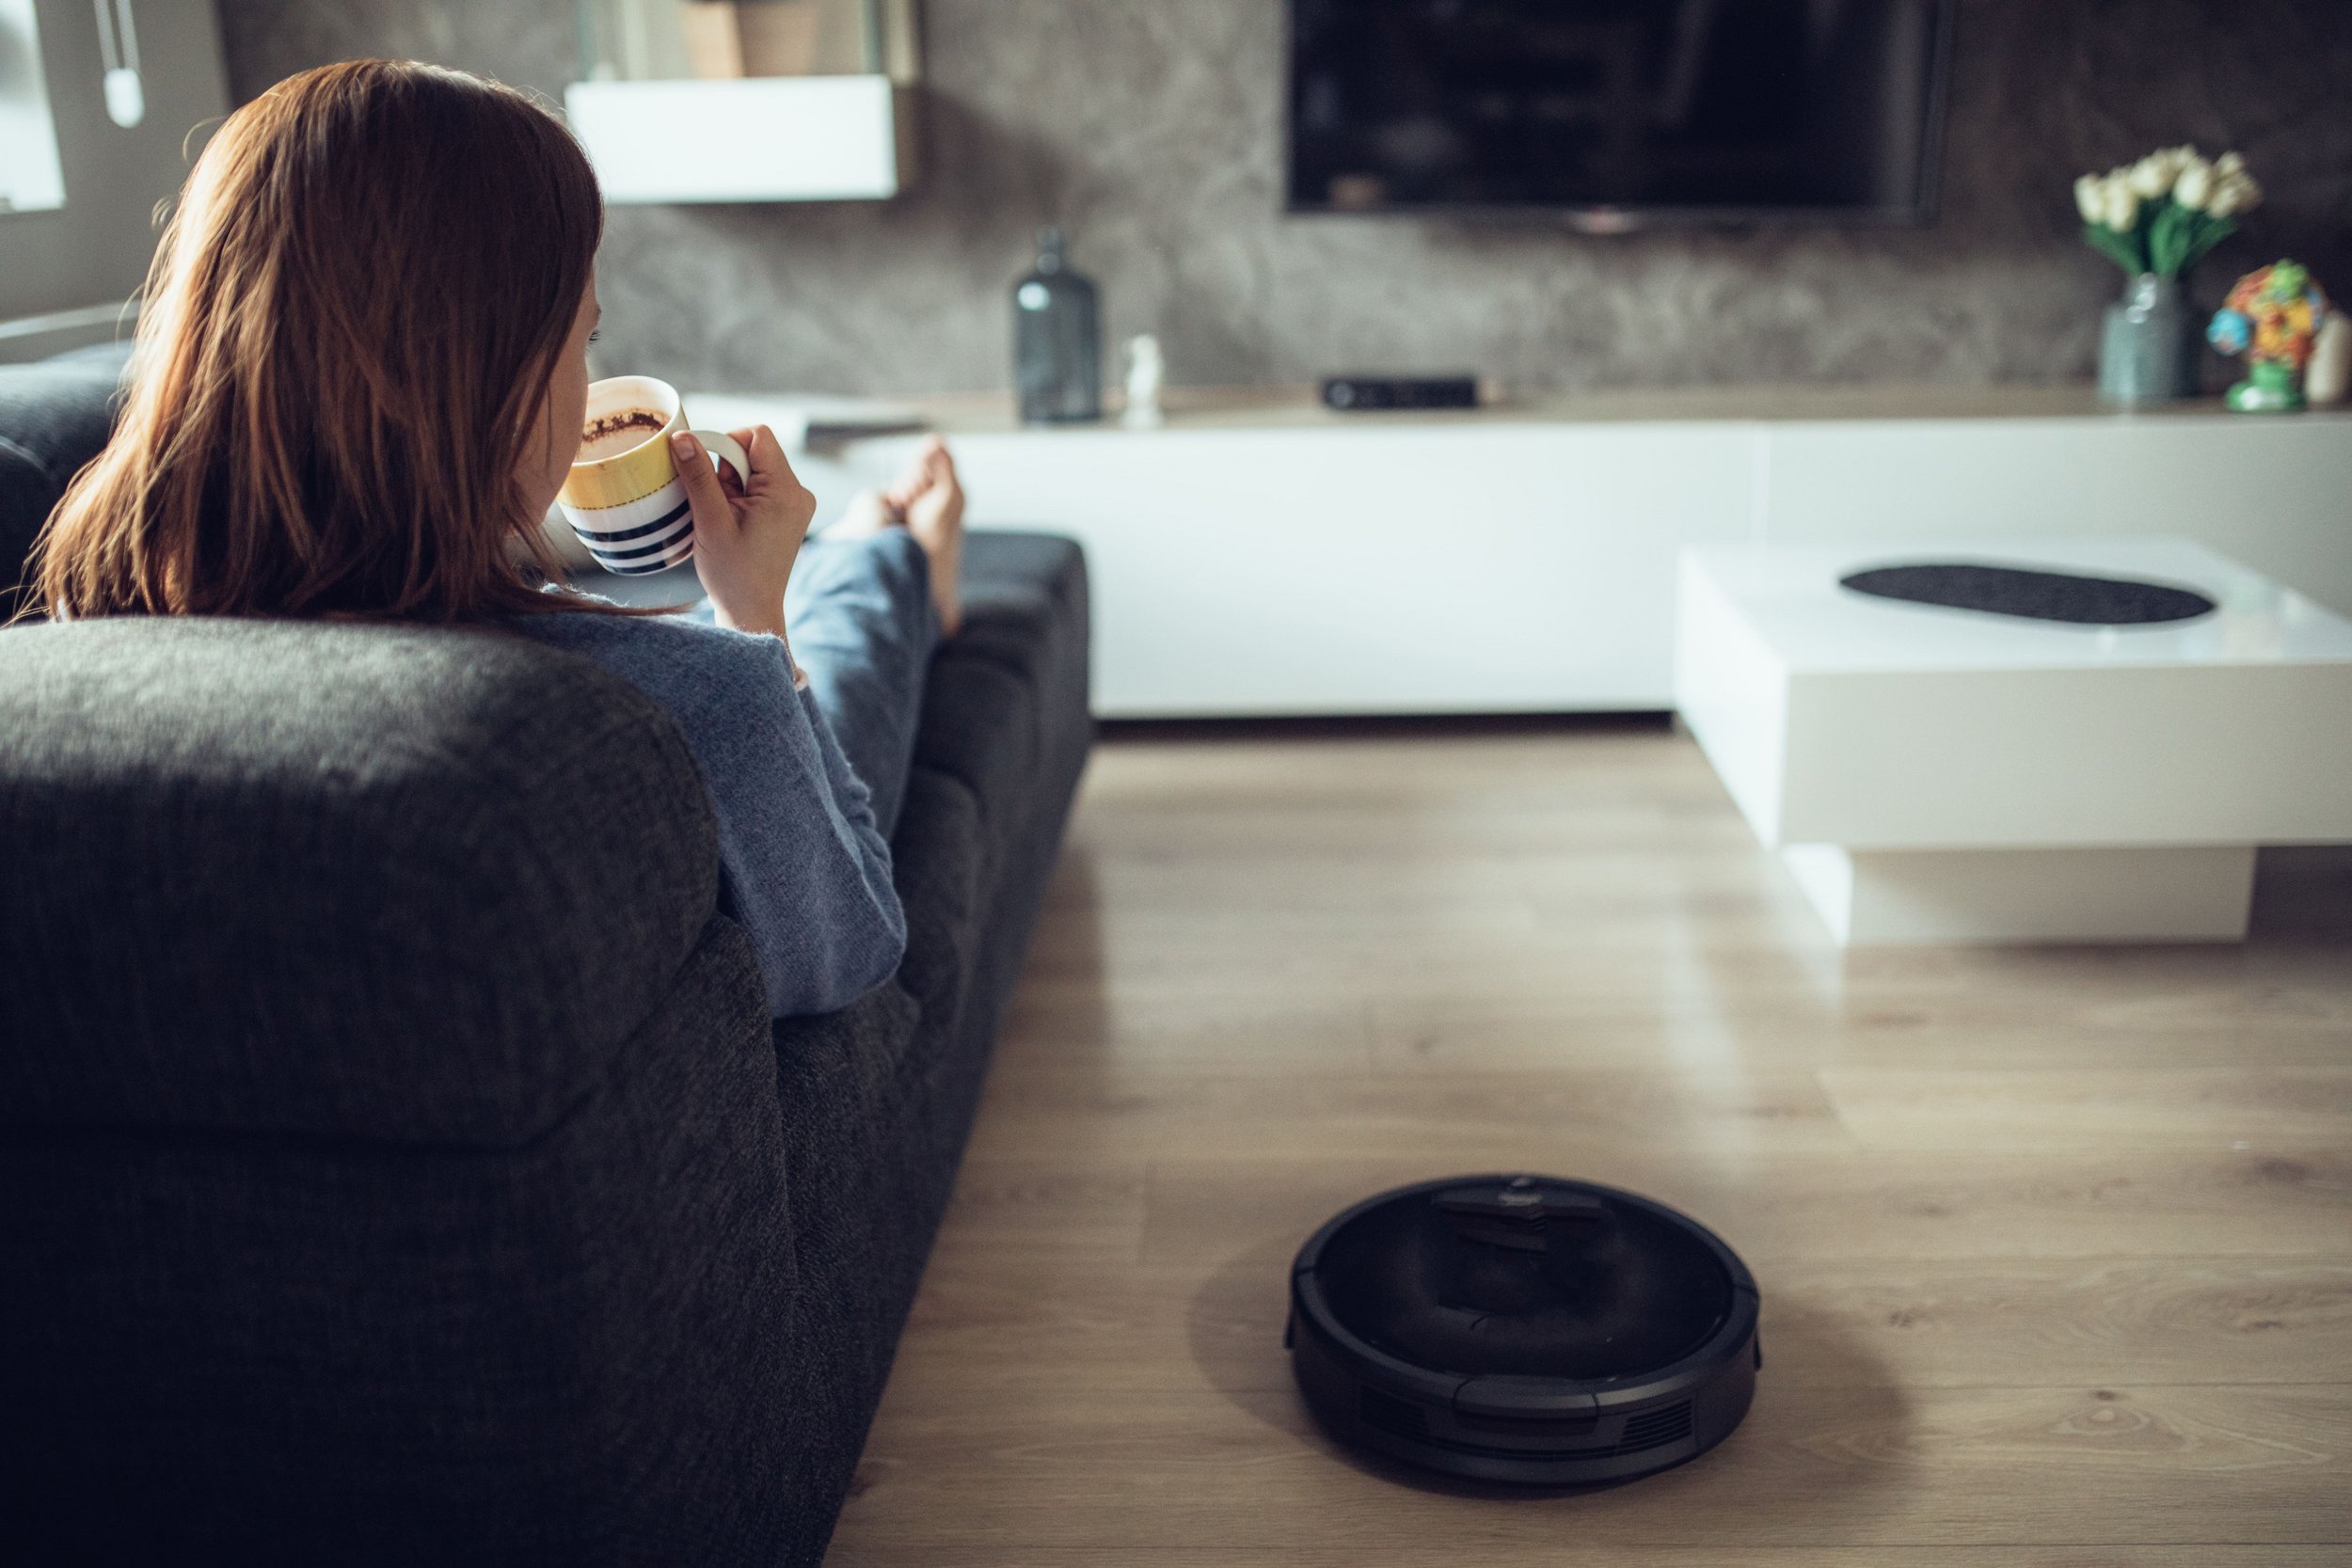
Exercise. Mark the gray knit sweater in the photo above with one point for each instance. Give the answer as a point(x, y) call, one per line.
point(800, 863)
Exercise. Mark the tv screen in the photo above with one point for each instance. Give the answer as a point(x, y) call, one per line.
point(1619, 113)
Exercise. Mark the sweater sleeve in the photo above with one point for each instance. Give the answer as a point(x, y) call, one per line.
point(802, 863)
point(805, 869)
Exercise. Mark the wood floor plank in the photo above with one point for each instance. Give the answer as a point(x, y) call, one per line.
point(1509, 1119)
point(1880, 1205)
point(2123, 1465)
point(1923, 1008)
point(2056, 1243)
point(1094, 1207)
point(1102, 1323)
point(1450, 1555)
point(2175, 1108)
point(1172, 1029)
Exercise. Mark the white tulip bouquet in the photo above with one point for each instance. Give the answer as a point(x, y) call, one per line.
point(2162, 213)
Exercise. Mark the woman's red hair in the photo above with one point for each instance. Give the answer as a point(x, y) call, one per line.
point(351, 324)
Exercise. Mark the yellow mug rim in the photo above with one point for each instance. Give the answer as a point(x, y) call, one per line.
point(632, 474)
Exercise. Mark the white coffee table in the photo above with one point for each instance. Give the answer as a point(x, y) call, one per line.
point(1935, 775)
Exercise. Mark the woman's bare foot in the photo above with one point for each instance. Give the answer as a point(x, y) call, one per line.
point(931, 499)
point(867, 513)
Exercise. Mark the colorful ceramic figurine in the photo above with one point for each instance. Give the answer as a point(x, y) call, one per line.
point(2271, 317)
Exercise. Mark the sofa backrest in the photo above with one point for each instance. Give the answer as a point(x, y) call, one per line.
point(392, 1168)
point(396, 883)
point(55, 414)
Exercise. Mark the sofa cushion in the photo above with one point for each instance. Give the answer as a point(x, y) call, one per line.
point(945, 858)
point(980, 728)
point(396, 882)
point(1024, 597)
point(54, 417)
point(995, 686)
point(252, 1349)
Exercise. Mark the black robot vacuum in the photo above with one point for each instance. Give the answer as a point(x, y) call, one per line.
point(1523, 1329)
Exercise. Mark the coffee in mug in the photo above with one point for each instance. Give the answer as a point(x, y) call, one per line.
point(624, 496)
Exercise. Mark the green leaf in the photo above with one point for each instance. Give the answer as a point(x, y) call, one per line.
point(2120, 249)
point(2169, 238)
point(2208, 233)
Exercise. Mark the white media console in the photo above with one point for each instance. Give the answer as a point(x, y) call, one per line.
point(1257, 555)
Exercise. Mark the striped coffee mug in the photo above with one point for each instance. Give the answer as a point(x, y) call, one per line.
point(624, 496)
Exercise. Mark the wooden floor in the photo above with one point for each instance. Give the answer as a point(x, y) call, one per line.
point(2055, 1244)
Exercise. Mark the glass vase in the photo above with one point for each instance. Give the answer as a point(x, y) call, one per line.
point(1056, 339)
point(2146, 353)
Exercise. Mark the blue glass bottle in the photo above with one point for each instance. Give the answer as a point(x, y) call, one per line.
point(1056, 339)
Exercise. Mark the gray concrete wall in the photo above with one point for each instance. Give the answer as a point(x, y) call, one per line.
point(1149, 129)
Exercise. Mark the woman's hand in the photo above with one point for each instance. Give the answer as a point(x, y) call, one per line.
point(746, 536)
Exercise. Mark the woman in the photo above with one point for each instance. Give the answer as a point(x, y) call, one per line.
point(358, 381)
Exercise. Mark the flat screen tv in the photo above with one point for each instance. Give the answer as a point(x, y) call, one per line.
point(1619, 114)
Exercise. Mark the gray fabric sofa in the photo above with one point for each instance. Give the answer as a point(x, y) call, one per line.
point(396, 1163)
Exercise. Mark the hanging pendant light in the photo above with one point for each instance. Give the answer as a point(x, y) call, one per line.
point(118, 49)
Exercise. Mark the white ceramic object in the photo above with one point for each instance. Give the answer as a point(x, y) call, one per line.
point(123, 89)
point(2326, 377)
point(1939, 775)
point(1146, 369)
